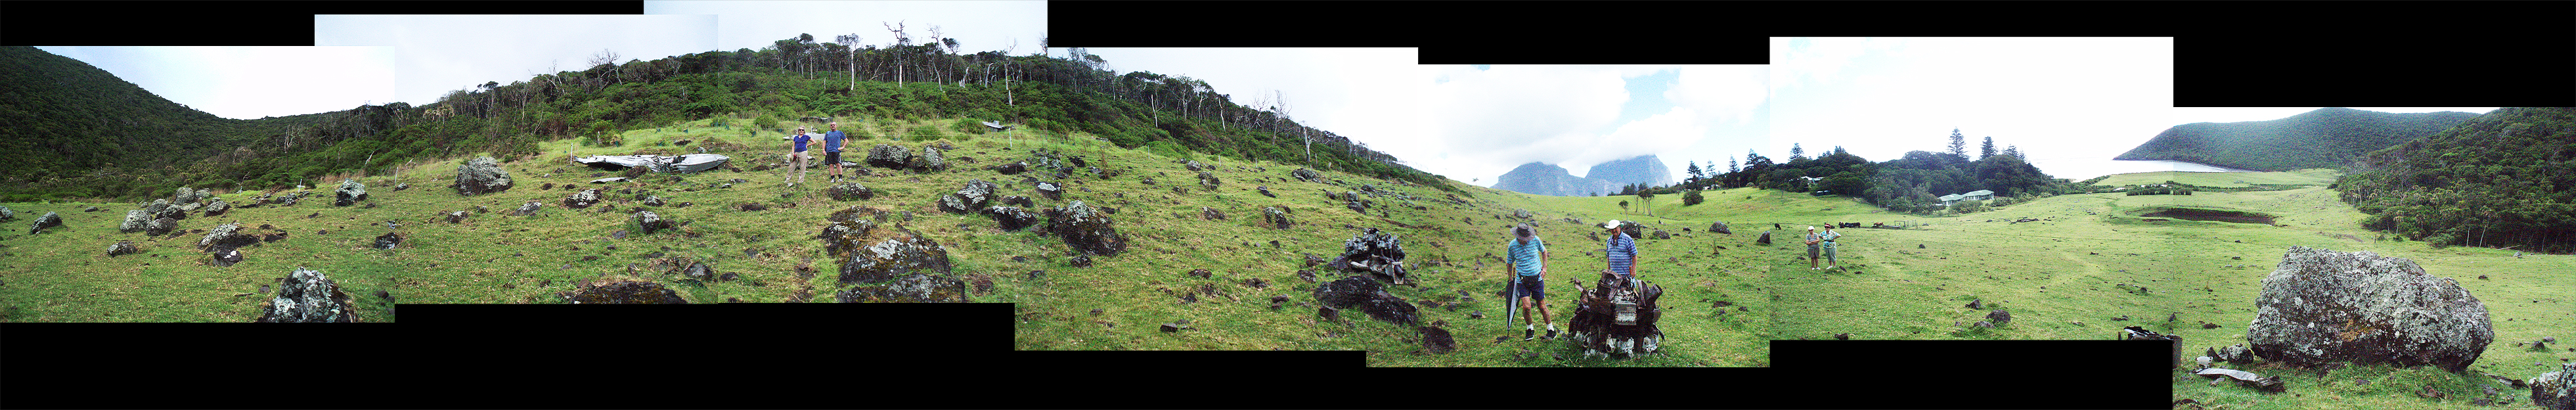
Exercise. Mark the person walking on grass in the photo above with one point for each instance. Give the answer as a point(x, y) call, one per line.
point(1529, 256)
point(1622, 253)
point(796, 158)
point(1827, 239)
point(832, 152)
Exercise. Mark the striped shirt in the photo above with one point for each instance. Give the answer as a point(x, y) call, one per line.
point(1525, 255)
point(1622, 253)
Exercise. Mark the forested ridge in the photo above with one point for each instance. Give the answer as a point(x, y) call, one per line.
point(2326, 138)
point(82, 133)
point(2505, 179)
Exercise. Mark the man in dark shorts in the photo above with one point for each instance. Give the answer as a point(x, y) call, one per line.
point(1528, 256)
point(832, 152)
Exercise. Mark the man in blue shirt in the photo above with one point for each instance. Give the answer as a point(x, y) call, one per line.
point(832, 152)
point(1622, 252)
point(1528, 255)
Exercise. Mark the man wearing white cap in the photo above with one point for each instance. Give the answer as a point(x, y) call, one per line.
point(1621, 251)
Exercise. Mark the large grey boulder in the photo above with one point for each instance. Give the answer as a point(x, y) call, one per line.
point(651, 222)
point(1087, 229)
point(850, 191)
point(2555, 390)
point(889, 156)
point(7, 215)
point(187, 195)
point(161, 208)
point(1307, 175)
point(135, 220)
point(848, 229)
point(914, 288)
point(122, 248)
point(1276, 217)
point(226, 236)
point(905, 253)
point(481, 175)
point(2326, 308)
point(928, 161)
point(160, 227)
point(47, 221)
point(308, 296)
point(350, 193)
point(1012, 218)
point(1051, 190)
point(219, 207)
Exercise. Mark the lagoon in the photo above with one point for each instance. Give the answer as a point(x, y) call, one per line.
point(2083, 168)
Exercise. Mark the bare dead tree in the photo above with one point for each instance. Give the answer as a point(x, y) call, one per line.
point(605, 57)
point(850, 45)
point(899, 41)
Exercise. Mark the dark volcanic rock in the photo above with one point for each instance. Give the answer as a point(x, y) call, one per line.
point(1018, 201)
point(583, 199)
point(905, 253)
point(457, 217)
point(1208, 180)
point(1307, 175)
point(848, 229)
point(2555, 390)
point(389, 240)
point(621, 290)
point(481, 175)
point(1211, 214)
point(1720, 227)
point(1012, 218)
point(226, 236)
point(226, 257)
point(218, 208)
point(651, 221)
point(1013, 168)
point(928, 161)
point(1369, 296)
point(914, 288)
point(135, 220)
point(160, 227)
point(350, 193)
point(1265, 191)
point(1437, 340)
point(2324, 308)
point(1276, 217)
point(161, 208)
point(1999, 317)
point(1051, 191)
point(975, 196)
point(850, 191)
point(528, 208)
point(307, 296)
point(1086, 229)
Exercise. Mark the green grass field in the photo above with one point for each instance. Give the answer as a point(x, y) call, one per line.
point(2088, 262)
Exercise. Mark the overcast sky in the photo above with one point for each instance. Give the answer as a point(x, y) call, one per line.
point(251, 82)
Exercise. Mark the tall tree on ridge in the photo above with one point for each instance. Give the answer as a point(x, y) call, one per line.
point(1958, 145)
point(1988, 150)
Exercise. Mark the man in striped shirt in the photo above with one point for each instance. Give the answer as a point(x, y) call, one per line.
point(1622, 252)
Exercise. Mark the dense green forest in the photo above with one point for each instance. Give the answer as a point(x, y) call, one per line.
point(2326, 138)
point(1914, 183)
point(2506, 179)
point(87, 134)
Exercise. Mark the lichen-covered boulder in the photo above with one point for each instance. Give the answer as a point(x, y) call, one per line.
point(2555, 390)
point(1194, 165)
point(161, 208)
point(308, 296)
point(389, 240)
point(2326, 308)
point(1052, 191)
point(651, 222)
point(187, 195)
point(529, 208)
point(620, 290)
point(226, 236)
point(1018, 201)
point(1275, 217)
point(1012, 218)
point(7, 215)
point(218, 208)
point(481, 175)
point(1088, 230)
point(889, 156)
point(1307, 175)
point(583, 199)
point(1208, 179)
point(160, 227)
point(122, 248)
point(914, 288)
point(1013, 168)
point(904, 253)
point(1369, 296)
point(849, 229)
point(47, 221)
point(1720, 228)
point(135, 220)
point(850, 191)
point(350, 193)
point(929, 161)
point(975, 196)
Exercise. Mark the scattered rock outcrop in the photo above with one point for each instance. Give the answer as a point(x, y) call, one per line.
point(135, 220)
point(1276, 217)
point(122, 248)
point(889, 156)
point(350, 193)
point(389, 240)
point(651, 222)
point(1369, 296)
point(2326, 308)
point(975, 196)
point(903, 252)
point(2555, 390)
point(481, 175)
point(529, 208)
point(161, 208)
point(224, 237)
point(1088, 230)
point(218, 208)
point(49, 220)
point(1012, 218)
point(1208, 180)
point(914, 288)
point(1720, 228)
point(1307, 175)
point(160, 227)
point(928, 161)
point(1375, 253)
point(620, 290)
point(1052, 191)
point(308, 296)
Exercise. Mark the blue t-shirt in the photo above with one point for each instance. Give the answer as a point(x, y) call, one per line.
point(801, 139)
point(1622, 253)
point(1525, 255)
point(832, 141)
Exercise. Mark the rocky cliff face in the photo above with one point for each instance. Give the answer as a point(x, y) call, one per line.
point(1545, 179)
point(1645, 169)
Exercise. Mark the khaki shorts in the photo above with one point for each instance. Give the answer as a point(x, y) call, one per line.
point(799, 159)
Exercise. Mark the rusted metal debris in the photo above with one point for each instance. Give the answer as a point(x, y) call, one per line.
point(2256, 381)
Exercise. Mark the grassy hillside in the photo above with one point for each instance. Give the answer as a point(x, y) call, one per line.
point(2326, 138)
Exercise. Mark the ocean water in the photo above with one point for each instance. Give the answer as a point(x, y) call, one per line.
point(2080, 169)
